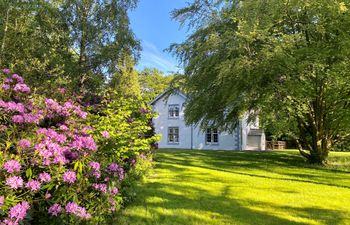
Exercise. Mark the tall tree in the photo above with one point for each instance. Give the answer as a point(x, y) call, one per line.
point(286, 60)
point(64, 42)
point(153, 82)
point(34, 42)
point(100, 33)
point(125, 79)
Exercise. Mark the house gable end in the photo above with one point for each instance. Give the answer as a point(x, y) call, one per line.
point(163, 95)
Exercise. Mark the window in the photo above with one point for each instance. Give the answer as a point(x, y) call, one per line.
point(174, 111)
point(173, 135)
point(212, 136)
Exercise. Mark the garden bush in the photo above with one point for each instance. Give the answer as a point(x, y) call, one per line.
point(64, 163)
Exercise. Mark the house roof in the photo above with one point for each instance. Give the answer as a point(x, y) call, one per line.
point(161, 95)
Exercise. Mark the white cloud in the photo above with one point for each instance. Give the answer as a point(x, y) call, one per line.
point(151, 56)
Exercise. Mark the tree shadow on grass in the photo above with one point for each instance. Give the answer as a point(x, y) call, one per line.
point(271, 162)
point(168, 202)
point(208, 209)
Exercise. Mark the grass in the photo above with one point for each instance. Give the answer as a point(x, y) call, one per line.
point(230, 187)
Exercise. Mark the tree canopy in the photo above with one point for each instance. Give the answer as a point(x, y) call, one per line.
point(153, 82)
point(125, 80)
point(287, 61)
point(56, 43)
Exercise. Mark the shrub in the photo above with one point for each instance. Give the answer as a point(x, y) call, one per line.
point(126, 122)
point(61, 165)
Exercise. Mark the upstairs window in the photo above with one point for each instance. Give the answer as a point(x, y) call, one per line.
point(212, 136)
point(174, 111)
point(173, 135)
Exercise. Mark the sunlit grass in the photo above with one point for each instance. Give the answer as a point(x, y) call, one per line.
point(230, 187)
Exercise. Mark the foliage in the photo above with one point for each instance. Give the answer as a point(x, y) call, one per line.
point(231, 187)
point(76, 44)
point(35, 41)
point(153, 82)
point(125, 80)
point(100, 31)
point(129, 124)
point(54, 167)
point(141, 169)
point(285, 60)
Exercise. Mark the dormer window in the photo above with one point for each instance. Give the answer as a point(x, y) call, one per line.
point(174, 111)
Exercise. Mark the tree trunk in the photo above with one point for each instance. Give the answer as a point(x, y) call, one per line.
point(313, 131)
point(5, 33)
point(82, 49)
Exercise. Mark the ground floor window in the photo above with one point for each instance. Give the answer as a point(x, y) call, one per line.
point(212, 136)
point(173, 135)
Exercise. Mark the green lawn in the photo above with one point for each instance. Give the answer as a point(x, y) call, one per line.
point(231, 187)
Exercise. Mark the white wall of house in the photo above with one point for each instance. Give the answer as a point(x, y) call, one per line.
point(162, 122)
point(191, 137)
point(226, 141)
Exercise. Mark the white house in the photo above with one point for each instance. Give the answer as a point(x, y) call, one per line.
point(176, 134)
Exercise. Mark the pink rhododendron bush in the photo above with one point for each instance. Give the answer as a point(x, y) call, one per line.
point(60, 164)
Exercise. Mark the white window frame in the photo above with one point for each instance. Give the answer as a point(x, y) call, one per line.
point(212, 132)
point(175, 136)
point(172, 112)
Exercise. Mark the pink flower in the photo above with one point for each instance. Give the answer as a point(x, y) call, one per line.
point(61, 90)
point(24, 144)
point(82, 213)
point(9, 222)
point(19, 211)
point(22, 88)
point(96, 174)
point(18, 119)
point(80, 113)
point(12, 106)
point(105, 134)
point(55, 209)
point(6, 71)
point(81, 142)
point(8, 81)
point(60, 159)
point(94, 166)
point(5, 87)
point(68, 105)
point(52, 105)
point(116, 170)
point(49, 149)
point(71, 207)
point(63, 128)
point(44, 177)
point(29, 118)
point(61, 138)
point(74, 208)
point(18, 78)
point(33, 185)
point(52, 134)
point(69, 177)
point(113, 167)
point(100, 187)
point(113, 204)
point(12, 166)
point(114, 191)
point(47, 195)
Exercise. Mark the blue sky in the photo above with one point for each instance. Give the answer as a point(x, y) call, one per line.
point(152, 24)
